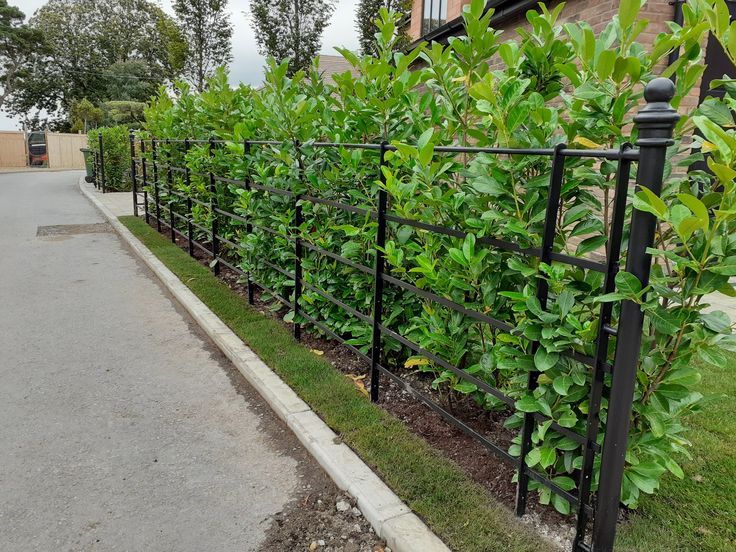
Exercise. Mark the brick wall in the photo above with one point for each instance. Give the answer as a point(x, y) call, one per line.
point(597, 13)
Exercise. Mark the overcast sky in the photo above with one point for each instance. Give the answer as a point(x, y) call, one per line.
point(247, 64)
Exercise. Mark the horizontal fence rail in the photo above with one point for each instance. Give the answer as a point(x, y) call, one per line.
point(154, 171)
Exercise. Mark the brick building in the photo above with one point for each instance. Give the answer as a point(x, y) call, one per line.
point(436, 20)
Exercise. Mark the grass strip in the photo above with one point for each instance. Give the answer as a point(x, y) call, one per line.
point(699, 512)
point(459, 511)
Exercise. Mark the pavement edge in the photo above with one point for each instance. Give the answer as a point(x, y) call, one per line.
point(392, 520)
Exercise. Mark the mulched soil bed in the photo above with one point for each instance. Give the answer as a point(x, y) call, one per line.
point(472, 457)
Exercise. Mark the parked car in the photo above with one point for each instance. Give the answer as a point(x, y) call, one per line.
point(37, 151)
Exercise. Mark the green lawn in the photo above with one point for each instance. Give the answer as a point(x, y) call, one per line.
point(697, 514)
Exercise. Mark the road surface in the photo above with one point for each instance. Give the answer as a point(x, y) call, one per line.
point(121, 427)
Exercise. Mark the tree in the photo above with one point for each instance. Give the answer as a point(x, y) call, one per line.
point(83, 115)
point(95, 45)
point(365, 22)
point(19, 46)
point(130, 81)
point(208, 32)
point(126, 113)
point(291, 29)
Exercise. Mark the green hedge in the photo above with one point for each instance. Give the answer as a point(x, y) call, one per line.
point(116, 147)
point(555, 83)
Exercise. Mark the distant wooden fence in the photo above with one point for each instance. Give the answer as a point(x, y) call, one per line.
point(13, 151)
point(62, 149)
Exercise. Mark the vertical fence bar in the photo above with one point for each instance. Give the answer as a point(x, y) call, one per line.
point(213, 206)
point(170, 184)
point(248, 225)
point(378, 276)
point(102, 163)
point(133, 179)
point(156, 197)
point(655, 123)
point(548, 238)
point(298, 220)
point(95, 172)
point(601, 354)
point(187, 183)
point(144, 173)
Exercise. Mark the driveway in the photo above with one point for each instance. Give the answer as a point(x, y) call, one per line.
point(121, 427)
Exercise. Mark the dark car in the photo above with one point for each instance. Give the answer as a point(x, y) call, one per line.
point(37, 152)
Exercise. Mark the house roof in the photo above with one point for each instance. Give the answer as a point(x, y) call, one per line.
point(332, 65)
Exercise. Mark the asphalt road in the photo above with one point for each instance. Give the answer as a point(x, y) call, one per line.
point(121, 428)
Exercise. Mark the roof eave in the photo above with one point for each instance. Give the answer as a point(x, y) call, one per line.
point(455, 27)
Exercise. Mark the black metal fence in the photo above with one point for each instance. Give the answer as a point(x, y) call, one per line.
point(98, 166)
point(655, 123)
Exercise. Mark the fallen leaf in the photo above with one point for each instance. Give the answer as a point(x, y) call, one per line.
point(317, 352)
point(358, 383)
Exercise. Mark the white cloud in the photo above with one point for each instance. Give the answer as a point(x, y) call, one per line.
point(247, 64)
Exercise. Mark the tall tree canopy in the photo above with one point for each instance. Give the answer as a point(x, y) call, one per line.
point(20, 45)
point(100, 50)
point(291, 29)
point(208, 31)
point(365, 22)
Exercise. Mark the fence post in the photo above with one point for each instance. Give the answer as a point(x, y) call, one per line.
point(156, 197)
point(170, 184)
point(133, 179)
point(655, 123)
point(592, 425)
point(248, 225)
point(95, 171)
point(298, 220)
point(102, 162)
point(548, 238)
point(187, 182)
point(378, 276)
point(144, 174)
point(213, 207)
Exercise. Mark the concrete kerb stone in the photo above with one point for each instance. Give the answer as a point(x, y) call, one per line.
point(390, 517)
point(404, 533)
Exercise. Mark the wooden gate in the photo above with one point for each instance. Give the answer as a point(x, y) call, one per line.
point(63, 150)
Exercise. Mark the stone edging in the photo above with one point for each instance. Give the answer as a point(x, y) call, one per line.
point(392, 520)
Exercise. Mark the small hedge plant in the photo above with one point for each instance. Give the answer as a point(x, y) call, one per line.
point(116, 145)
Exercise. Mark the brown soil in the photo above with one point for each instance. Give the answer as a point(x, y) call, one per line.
point(314, 522)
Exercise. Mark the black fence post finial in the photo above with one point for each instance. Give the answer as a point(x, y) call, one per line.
point(655, 123)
